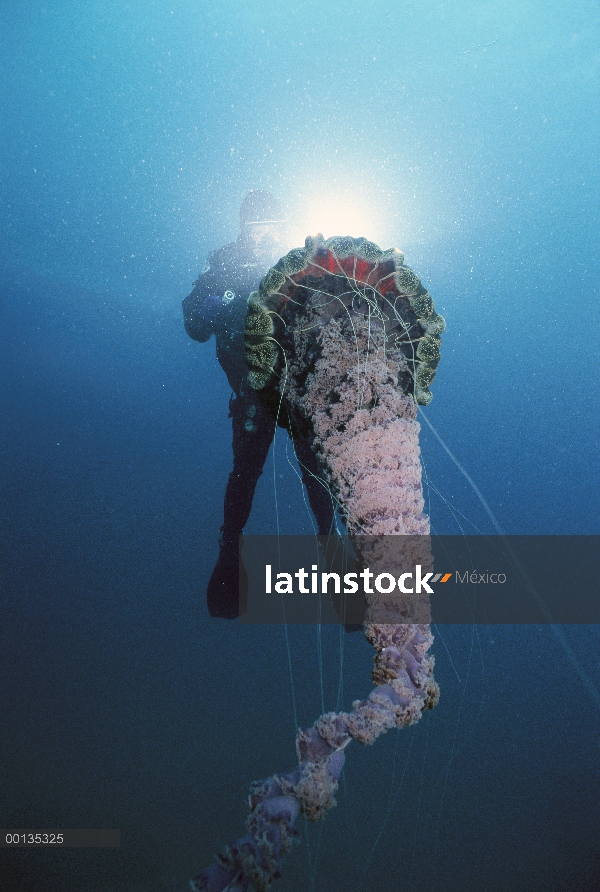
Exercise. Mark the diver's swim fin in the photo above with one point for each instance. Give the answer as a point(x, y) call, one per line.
point(225, 584)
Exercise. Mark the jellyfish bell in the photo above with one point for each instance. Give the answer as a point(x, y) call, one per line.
point(355, 281)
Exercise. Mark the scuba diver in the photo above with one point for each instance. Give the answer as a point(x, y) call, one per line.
point(217, 305)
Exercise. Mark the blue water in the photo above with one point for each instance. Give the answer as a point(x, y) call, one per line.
point(467, 135)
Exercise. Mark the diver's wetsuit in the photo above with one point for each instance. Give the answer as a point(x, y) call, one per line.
point(210, 309)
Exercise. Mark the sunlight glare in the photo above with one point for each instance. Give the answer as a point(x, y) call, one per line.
point(337, 215)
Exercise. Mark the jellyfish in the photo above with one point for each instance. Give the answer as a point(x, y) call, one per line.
point(342, 344)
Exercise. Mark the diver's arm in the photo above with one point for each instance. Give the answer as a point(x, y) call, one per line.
point(201, 314)
point(207, 310)
point(201, 307)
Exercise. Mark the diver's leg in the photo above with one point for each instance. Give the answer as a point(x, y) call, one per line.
point(253, 432)
point(318, 493)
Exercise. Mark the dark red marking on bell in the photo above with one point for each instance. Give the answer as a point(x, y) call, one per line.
point(363, 271)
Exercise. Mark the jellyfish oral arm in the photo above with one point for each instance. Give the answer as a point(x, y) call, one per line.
point(255, 860)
